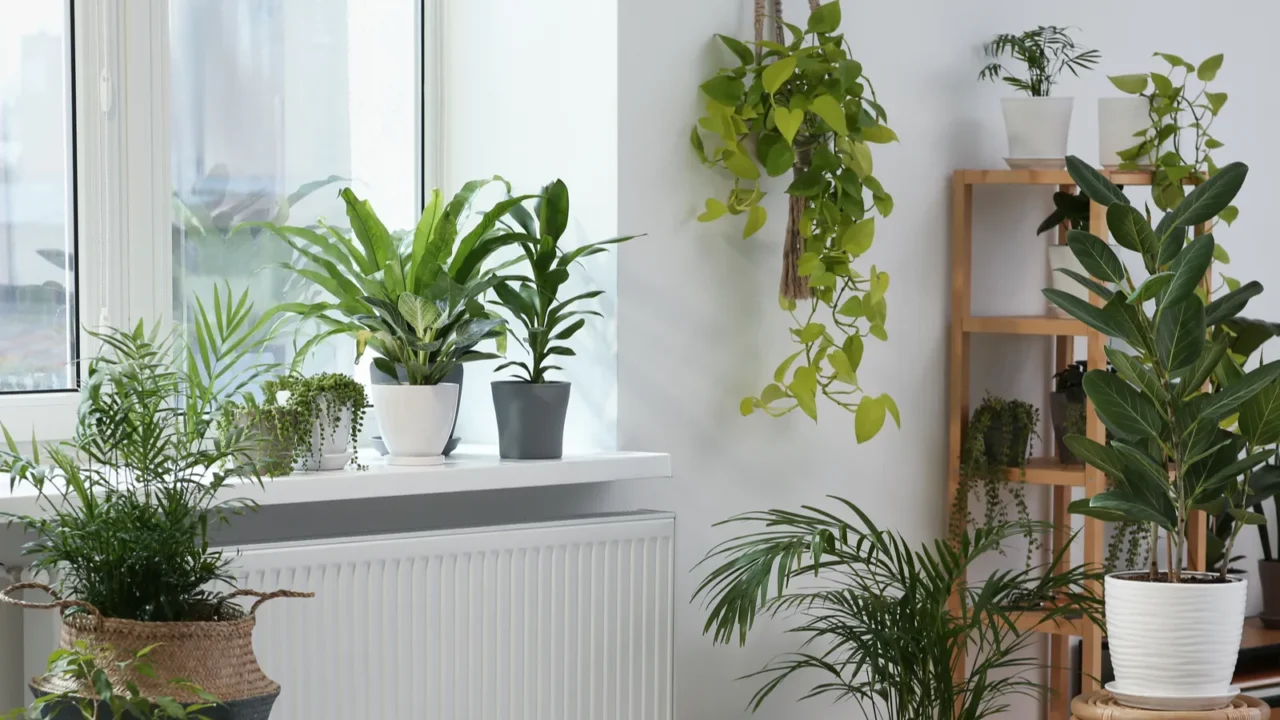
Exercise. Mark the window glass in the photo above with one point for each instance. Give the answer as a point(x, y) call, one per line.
point(37, 221)
point(276, 105)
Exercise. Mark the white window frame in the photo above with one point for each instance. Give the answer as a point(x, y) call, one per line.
point(124, 257)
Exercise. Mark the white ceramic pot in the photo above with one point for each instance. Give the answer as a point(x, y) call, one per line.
point(415, 420)
point(1174, 640)
point(1120, 120)
point(1037, 126)
point(1060, 256)
point(332, 446)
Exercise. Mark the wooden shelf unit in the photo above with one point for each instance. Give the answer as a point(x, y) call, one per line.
point(1048, 471)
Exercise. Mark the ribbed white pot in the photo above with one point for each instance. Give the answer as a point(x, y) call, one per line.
point(1119, 120)
point(1172, 640)
point(1037, 126)
point(1060, 256)
point(415, 420)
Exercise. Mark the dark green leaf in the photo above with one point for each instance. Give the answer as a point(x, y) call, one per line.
point(1115, 505)
point(553, 210)
point(1198, 374)
point(738, 48)
point(1095, 256)
point(1123, 409)
point(826, 19)
point(1180, 333)
point(1260, 416)
point(1231, 304)
point(1150, 287)
point(1135, 373)
point(1131, 230)
point(1093, 184)
point(1098, 288)
point(1207, 200)
point(1226, 400)
point(1250, 334)
point(724, 89)
point(1095, 454)
point(774, 153)
point(1083, 311)
point(1188, 270)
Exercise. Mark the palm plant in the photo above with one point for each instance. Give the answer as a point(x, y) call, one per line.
point(880, 619)
point(1045, 51)
point(533, 300)
point(126, 504)
point(415, 298)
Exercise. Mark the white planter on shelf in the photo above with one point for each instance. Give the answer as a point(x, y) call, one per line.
point(1172, 641)
point(1120, 120)
point(415, 420)
point(332, 446)
point(1060, 256)
point(1038, 127)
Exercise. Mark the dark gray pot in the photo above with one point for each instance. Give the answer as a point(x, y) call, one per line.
point(1059, 406)
point(530, 418)
point(377, 377)
point(256, 708)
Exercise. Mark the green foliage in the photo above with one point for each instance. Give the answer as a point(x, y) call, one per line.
point(1178, 137)
point(532, 300)
point(81, 667)
point(414, 298)
point(1162, 417)
point(1045, 52)
point(126, 504)
point(807, 107)
point(998, 437)
point(875, 613)
point(290, 424)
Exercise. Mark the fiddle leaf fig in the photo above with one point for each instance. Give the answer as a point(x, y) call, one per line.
point(808, 107)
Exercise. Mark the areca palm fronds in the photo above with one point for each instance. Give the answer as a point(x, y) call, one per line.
point(1045, 51)
point(875, 612)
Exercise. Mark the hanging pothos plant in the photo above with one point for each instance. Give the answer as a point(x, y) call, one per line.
point(806, 107)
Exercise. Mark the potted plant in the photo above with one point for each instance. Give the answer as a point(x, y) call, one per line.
point(805, 106)
point(997, 438)
point(125, 509)
point(1172, 633)
point(415, 299)
point(531, 408)
point(311, 423)
point(1037, 125)
point(1067, 407)
point(885, 633)
point(1120, 120)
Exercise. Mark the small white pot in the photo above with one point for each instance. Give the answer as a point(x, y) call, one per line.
point(415, 420)
point(1060, 256)
point(1174, 640)
point(332, 447)
point(1037, 126)
point(1120, 120)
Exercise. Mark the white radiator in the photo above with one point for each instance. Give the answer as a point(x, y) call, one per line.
point(561, 621)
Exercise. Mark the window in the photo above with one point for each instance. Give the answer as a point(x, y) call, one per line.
point(37, 216)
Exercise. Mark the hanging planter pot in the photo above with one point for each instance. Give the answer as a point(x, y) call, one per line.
point(1121, 124)
point(1038, 128)
point(530, 418)
point(216, 656)
point(1174, 644)
point(416, 420)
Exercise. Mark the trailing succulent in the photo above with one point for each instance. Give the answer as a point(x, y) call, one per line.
point(1181, 403)
point(805, 107)
point(295, 417)
point(998, 437)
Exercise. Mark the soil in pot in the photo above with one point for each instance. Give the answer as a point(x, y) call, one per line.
point(530, 418)
point(1163, 577)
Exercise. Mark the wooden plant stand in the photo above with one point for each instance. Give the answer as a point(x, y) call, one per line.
point(1099, 705)
point(1047, 470)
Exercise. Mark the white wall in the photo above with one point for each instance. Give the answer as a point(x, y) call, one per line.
point(698, 324)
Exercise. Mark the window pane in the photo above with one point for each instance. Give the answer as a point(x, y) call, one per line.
point(37, 229)
point(276, 105)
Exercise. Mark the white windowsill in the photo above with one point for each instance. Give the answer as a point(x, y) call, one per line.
point(471, 468)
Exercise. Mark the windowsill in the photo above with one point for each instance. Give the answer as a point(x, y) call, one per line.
point(471, 468)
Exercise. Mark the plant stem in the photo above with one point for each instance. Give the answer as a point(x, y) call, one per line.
point(1153, 548)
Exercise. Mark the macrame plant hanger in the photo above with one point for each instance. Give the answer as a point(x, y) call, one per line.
point(791, 285)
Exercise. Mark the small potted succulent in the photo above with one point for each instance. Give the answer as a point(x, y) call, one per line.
point(1066, 407)
point(307, 423)
point(531, 407)
point(1037, 125)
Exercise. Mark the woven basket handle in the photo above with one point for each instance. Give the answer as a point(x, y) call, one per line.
point(263, 597)
point(57, 603)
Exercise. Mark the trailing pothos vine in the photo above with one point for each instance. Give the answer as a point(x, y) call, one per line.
point(297, 416)
point(806, 107)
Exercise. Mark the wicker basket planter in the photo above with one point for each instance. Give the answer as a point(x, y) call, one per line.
point(216, 656)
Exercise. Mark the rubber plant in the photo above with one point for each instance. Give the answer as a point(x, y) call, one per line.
point(806, 108)
point(1166, 423)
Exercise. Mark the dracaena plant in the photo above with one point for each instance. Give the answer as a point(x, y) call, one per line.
point(1179, 445)
point(415, 297)
point(1045, 52)
point(807, 108)
point(533, 300)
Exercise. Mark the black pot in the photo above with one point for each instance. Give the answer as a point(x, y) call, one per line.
point(377, 377)
point(1003, 451)
point(255, 708)
point(1059, 409)
point(1269, 579)
point(530, 418)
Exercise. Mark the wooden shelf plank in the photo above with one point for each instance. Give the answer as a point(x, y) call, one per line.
point(1046, 177)
point(1033, 620)
point(1043, 325)
point(1049, 471)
